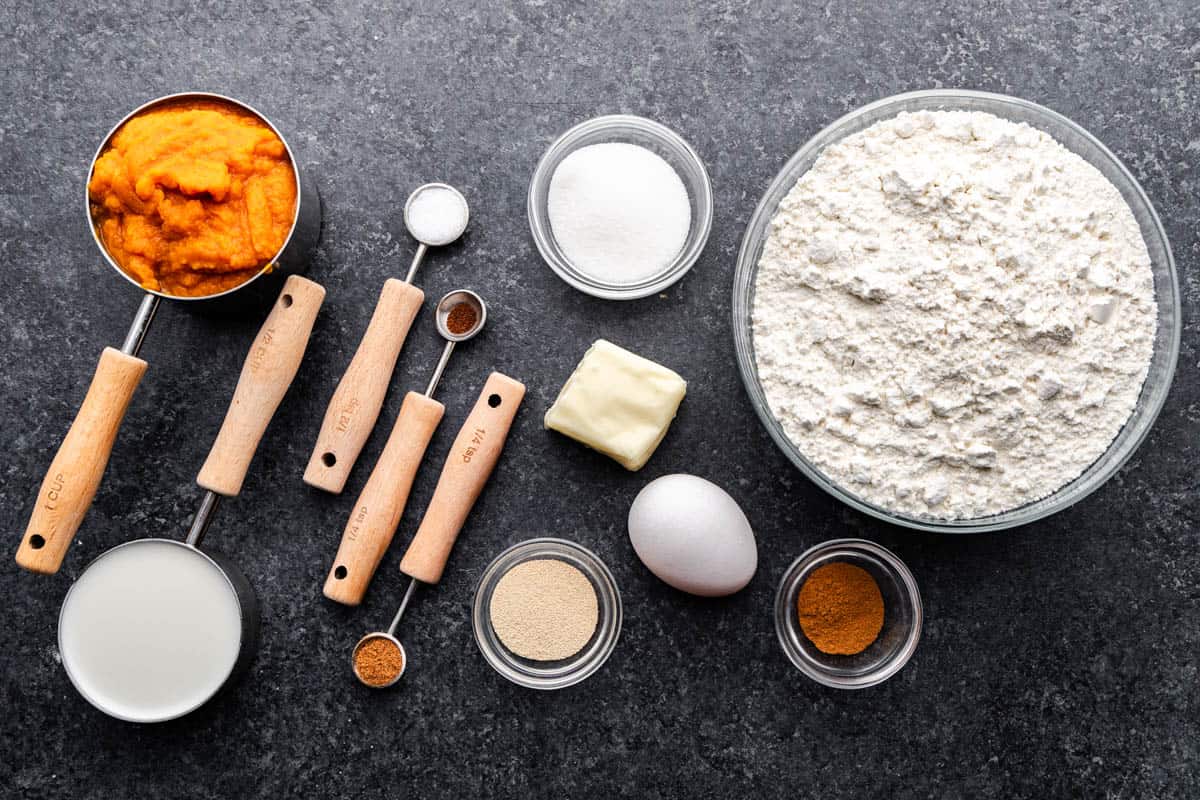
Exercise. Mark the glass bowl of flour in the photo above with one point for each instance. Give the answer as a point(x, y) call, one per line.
point(956, 311)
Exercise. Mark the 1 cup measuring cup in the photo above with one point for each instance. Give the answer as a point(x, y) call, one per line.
point(75, 473)
point(155, 627)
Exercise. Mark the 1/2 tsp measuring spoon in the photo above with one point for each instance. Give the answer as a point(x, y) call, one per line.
point(377, 511)
point(355, 405)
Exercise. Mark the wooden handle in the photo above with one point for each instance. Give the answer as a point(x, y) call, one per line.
point(381, 504)
point(266, 375)
point(468, 466)
point(355, 405)
point(77, 468)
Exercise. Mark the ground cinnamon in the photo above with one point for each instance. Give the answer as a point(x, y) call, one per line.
point(461, 319)
point(841, 609)
point(378, 661)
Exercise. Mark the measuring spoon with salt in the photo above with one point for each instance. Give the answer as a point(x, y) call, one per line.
point(468, 466)
point(460, 316)
point(436, 215)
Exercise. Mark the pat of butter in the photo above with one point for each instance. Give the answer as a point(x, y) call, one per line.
point(618, 403)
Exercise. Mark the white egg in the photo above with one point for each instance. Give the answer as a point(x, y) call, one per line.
point(693, 535)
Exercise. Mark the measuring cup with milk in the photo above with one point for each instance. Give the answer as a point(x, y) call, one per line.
point(154, 628)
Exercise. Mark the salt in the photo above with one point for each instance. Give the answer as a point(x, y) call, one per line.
point(436, 215)
point(619, 212)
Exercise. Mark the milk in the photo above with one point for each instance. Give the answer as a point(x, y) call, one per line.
point(150, 631)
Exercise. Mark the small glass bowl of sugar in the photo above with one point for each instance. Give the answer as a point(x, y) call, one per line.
point(620, 207)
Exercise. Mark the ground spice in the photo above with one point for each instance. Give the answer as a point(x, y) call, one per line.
point(378, 661)
point(461, 318)
point(841, 609)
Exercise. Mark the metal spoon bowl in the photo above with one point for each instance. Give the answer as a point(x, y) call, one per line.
point(447, 304)
point(371, 637)
point(453, 233)
point(451, 301)
point(390, 635)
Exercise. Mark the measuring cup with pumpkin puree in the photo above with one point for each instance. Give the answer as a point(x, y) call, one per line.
point(193, 197)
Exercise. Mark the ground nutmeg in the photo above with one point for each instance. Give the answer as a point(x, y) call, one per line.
point(378, 661)
point(841, 608)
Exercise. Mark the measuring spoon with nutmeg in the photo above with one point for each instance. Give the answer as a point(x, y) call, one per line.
point(460, 316)
point(378, 660)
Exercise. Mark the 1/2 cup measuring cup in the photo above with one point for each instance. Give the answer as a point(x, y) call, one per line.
point(75, 472)
point(153, 628)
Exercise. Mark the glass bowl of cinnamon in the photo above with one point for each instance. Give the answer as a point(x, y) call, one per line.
point(848, 613)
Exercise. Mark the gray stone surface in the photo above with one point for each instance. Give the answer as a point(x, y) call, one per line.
point(1057, 661)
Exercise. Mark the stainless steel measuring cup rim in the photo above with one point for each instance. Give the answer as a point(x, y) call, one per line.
point(170, 98)
point(245, 636)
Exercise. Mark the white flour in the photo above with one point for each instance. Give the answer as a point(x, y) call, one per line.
point(953, 314)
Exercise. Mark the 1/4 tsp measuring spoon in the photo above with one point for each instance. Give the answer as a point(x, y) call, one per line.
point(377, 511)
point(468, 466)
point(355, 405)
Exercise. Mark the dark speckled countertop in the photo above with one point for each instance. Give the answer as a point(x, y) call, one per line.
point(1060, 660)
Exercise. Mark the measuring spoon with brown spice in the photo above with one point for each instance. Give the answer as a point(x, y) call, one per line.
point(468, 465)
point(460, 315)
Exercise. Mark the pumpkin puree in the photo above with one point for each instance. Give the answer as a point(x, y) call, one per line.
point(193, 198)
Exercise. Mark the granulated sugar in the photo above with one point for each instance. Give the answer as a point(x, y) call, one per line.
point(436, 215)
point(619, 212)
point(953, 314)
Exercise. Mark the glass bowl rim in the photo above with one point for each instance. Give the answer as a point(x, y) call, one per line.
point(698, 234)
point(597, 572)
point(782, 611)
point(1045, 506)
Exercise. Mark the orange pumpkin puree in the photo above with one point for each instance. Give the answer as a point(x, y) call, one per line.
point(193, 198)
